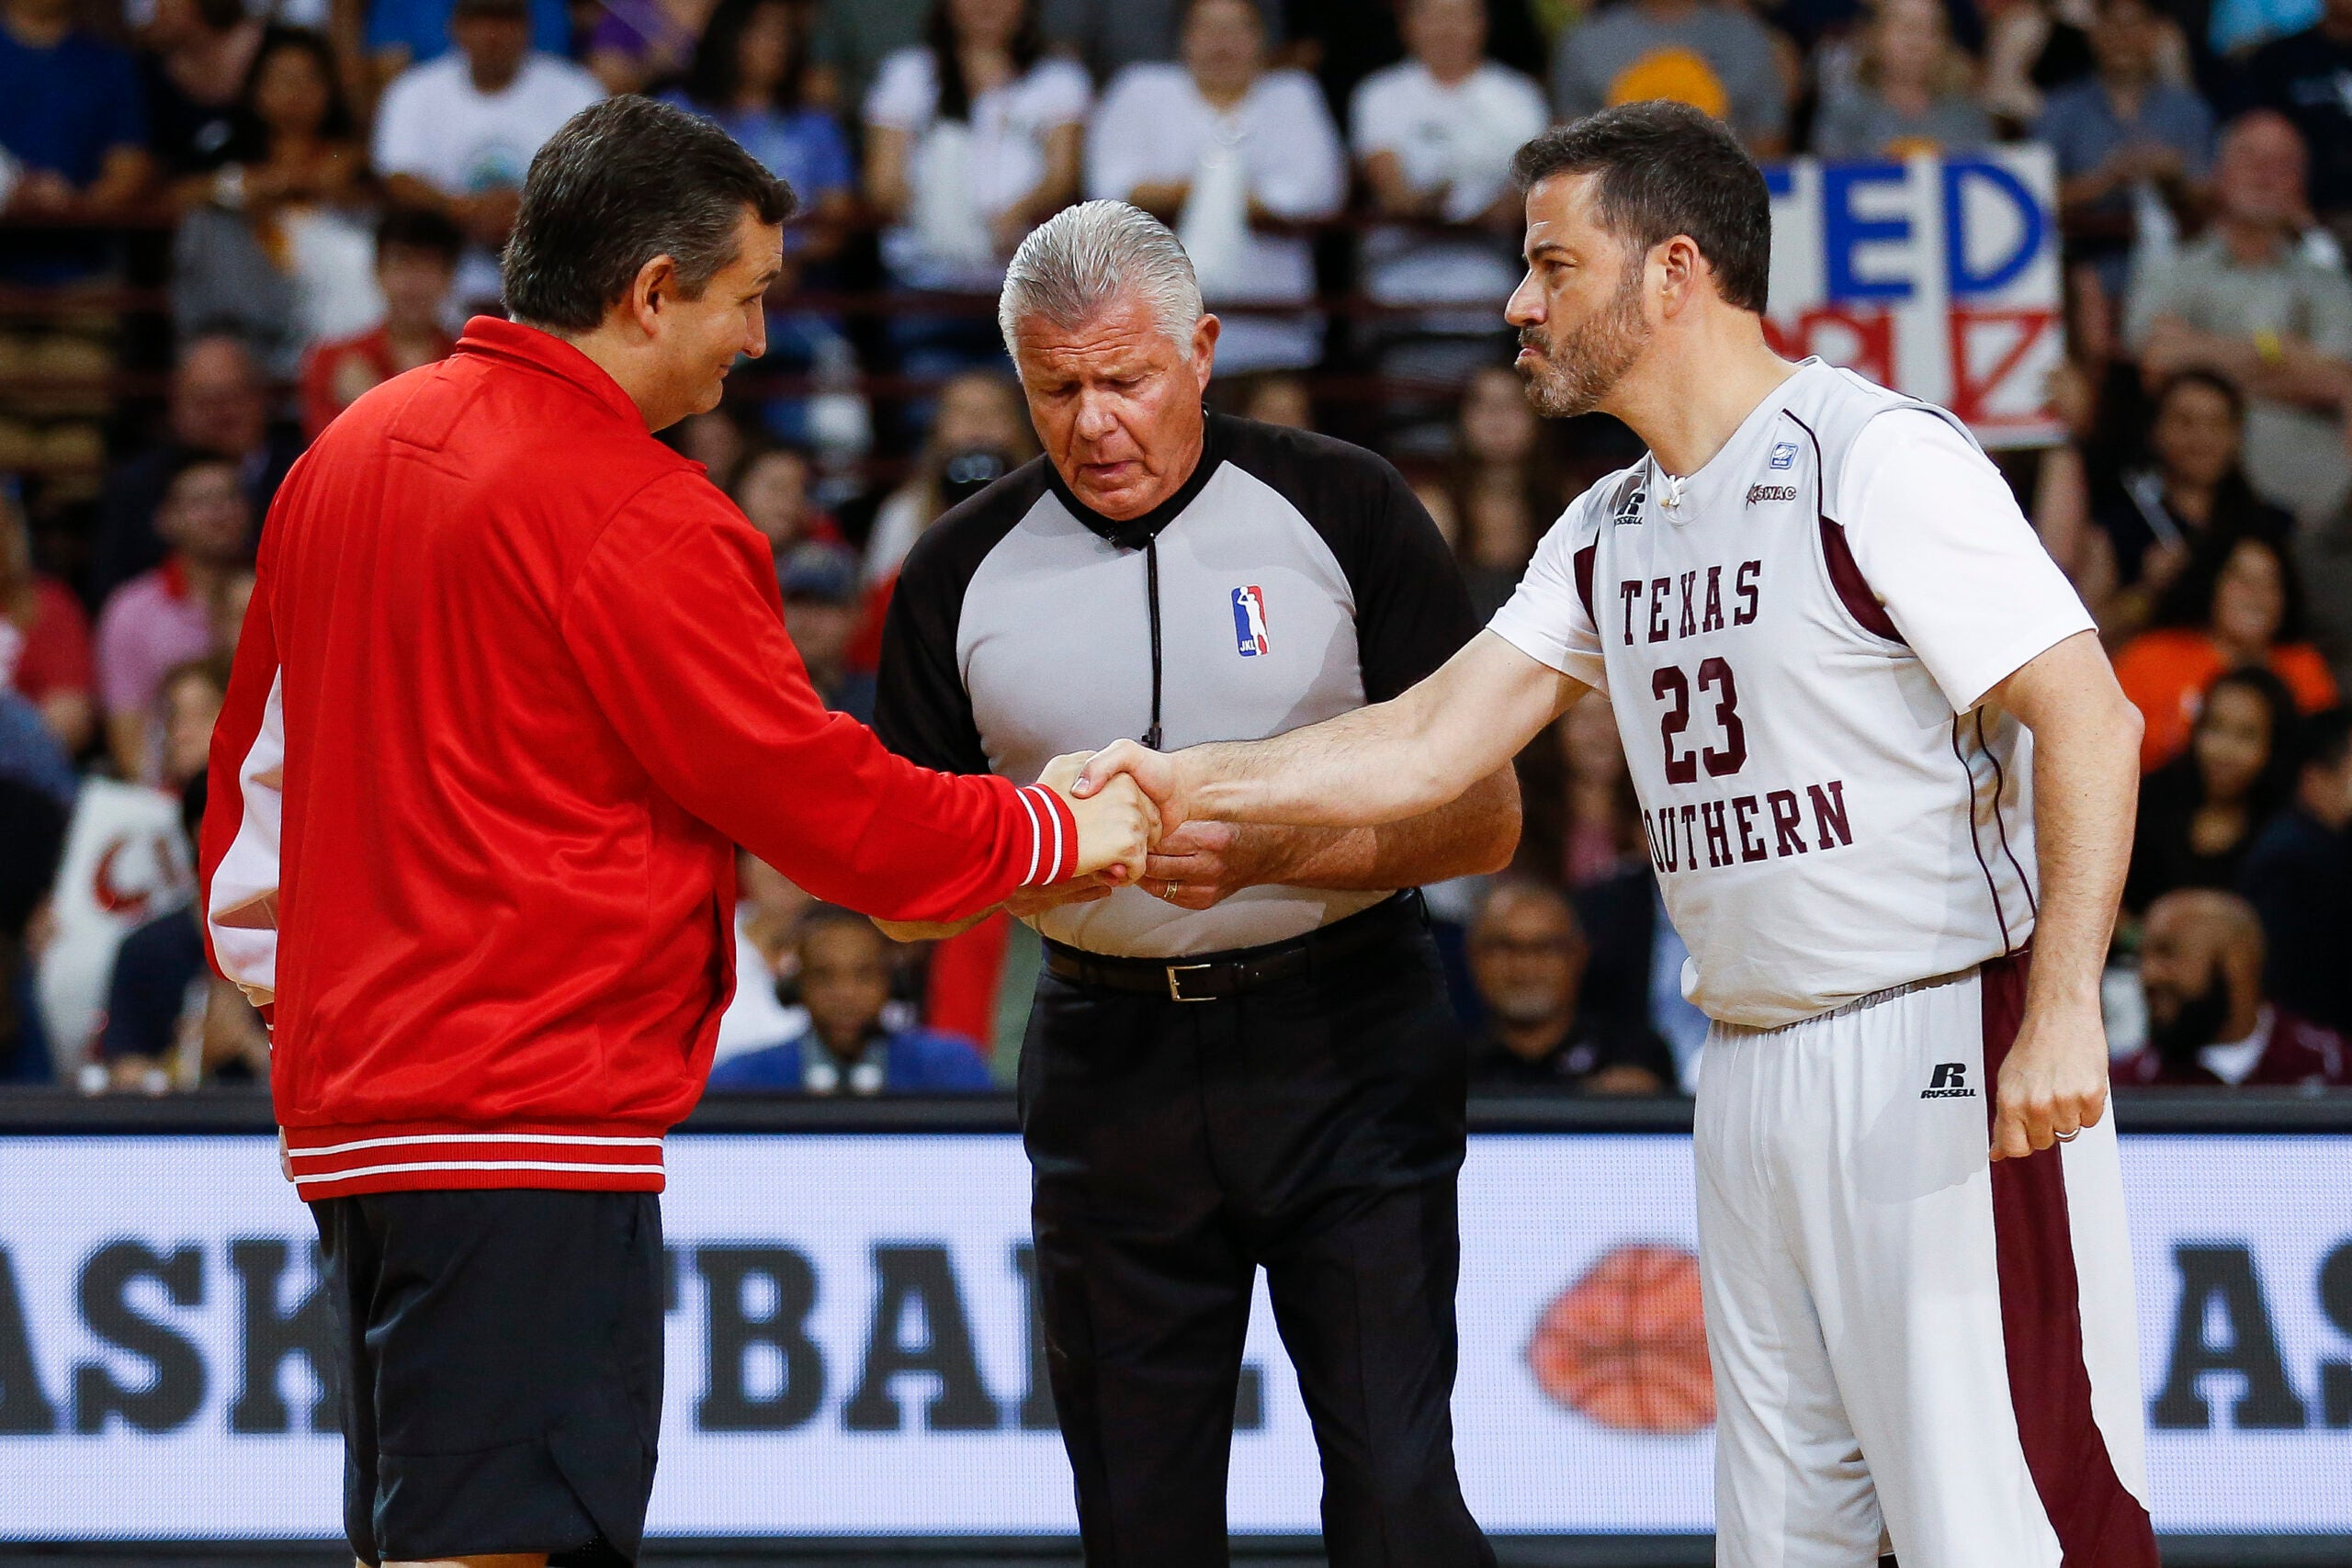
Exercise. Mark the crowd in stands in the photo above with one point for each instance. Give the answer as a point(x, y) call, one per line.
point(224, 220)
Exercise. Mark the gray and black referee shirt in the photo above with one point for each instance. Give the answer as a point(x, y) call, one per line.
point(1298, 578)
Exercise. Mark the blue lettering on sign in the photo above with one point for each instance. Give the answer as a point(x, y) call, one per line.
point(2033, 228)
point(1843, 230)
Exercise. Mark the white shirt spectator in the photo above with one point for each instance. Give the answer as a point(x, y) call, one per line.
point(437, 126)
point(1458, 139)
point(963, 174)
point(1277, 147)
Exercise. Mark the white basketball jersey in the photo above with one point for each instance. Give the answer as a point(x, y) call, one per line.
point(1798, 640)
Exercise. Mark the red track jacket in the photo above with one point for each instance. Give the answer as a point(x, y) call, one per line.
point(513, 684)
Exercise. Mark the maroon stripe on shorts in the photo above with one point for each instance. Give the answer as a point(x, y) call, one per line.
point(2099, 1524)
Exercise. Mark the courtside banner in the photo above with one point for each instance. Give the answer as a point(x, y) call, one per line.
point(1938, 277)
point(851, 1347)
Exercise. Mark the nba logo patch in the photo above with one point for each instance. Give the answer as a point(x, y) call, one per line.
point(1784, 454)
point(1249, 623)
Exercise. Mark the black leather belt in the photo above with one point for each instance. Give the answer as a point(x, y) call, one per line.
point(1214, 976)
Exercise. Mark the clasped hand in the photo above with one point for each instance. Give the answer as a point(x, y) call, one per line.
point(1127, 836)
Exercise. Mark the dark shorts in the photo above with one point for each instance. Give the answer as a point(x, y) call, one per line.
point(499, 1359)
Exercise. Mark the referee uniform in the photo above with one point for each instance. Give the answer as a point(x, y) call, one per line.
point(1275, 1080)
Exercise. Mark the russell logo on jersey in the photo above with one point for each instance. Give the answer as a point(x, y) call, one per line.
point(1250, 638)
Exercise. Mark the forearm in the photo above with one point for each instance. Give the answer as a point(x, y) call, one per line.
point(2085, 789)
point(1375, 765)
point(1473, 835)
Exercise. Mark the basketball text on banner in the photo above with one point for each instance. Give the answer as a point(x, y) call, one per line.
point(1937, 278)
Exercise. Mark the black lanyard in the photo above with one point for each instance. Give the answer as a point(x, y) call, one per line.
point(1151, 737)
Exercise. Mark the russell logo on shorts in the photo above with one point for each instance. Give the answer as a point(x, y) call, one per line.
point(1948, 1081)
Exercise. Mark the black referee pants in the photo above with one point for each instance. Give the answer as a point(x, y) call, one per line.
point(1314, 1127)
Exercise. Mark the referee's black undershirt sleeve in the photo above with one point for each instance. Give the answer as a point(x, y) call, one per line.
point(1412, 610)
point(920, 708)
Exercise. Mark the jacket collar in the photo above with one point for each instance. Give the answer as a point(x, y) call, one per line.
point(1216, 439)
point(519, 344)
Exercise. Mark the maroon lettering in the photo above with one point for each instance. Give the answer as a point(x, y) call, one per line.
point(1713, 619)
point(1718, 835)
point(1629, 592)
point(1787, 821)
point(1751, 847)
point(1689, 841)
point(1733, 757)
point(1649, 837)
point(1669, 685)
point(1743, 585)
point(1659, 587)
point(1829, 814)
point(1689, 605)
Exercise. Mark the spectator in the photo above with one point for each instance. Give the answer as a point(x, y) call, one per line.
point(70, 114)
point(1501, 487)
point(971, 138)
point(768, 911)
point(455, 135)
point(217, 407)
point(641, 44)
point(2192, 501)
point(1433, 137)
point(2247, 614)
point(2298, 876)
point(165, 617)
point(852, 38)
point(404, 33)
point(1909, 93)
point(44, 638)
point(1111, 35)
point(2208, 1021)
point(1601, 827)
point(979, 413)
point(823, 613)
point(1278, 397)
point(772, 488)
point(1527, 962)
point(1219, 147)
point(267, 244)
point(751, 76)
point(2248, 300)
point(170, 1022)
point(2125, 138)
point(37, 791)
point(1712, 56)
point(416, 263)
point(2308, 77)
point(194, 58)
point(847, 1048)
point(2200, 813)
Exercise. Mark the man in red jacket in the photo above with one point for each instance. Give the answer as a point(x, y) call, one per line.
point(513, 685)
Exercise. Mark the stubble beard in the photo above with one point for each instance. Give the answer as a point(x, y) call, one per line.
point(1573, 377)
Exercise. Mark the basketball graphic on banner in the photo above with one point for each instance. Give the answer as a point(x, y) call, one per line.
point(1626, 1346)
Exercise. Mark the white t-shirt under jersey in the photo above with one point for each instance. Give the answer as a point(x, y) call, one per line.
point(1798, 640)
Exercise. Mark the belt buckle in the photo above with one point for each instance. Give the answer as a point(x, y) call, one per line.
point(1176, 985)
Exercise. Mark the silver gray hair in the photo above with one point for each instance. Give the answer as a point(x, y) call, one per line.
point(1074, 264)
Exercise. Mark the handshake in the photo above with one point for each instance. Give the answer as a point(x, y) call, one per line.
point(1131, 832)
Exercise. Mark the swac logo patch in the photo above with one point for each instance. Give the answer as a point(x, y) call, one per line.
point(1784, 455)
point(1771, 492)
point(1250, 622)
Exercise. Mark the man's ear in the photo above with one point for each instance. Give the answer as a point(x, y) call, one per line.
point(1204, 335)
point(655, 285)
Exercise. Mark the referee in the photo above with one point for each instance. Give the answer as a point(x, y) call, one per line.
point(1249, 1059)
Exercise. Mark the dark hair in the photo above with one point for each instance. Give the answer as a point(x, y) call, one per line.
point(2189, 601)
point(939, 36)
point(2327, 737)
point(2276, 780)
point(249, 140)
point(2211, 381)
point(717, 73)
point(1668, 169)
point(419, 228)
point(622, 182)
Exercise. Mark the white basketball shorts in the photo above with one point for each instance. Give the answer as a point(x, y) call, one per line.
point(1916, 1348)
